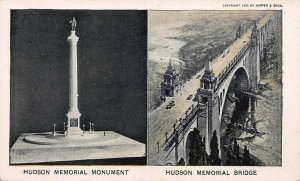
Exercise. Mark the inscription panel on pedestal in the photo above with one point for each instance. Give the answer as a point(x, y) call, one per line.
point(74, 122)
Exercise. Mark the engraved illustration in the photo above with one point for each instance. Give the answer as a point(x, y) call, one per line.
point(74, 100)
point(214, 88)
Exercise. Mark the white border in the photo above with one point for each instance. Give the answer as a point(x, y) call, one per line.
point(291, 92)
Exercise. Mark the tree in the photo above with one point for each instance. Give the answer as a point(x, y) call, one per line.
point(246, 157)
point(181, 162)
point(236, 153)
point(205, 157)
point(197, 154)
point(192, 156)
point(229, 156)
point(214, 150)
point(200, 149)
point(193, 149)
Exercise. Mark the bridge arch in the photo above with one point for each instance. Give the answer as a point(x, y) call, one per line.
point(187, 143)
point(236, 85)
point(239, 81)
point(169, 162)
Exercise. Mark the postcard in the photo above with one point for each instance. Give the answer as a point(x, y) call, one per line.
point(140, 90)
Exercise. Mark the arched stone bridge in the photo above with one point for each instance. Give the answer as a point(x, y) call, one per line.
point(168, 140)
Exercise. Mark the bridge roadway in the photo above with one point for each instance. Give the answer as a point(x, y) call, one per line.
point(221, 62)
point(161, 120)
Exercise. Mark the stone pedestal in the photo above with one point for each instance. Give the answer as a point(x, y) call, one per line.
point(87, 147)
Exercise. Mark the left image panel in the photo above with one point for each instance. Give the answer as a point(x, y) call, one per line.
point(78, 87)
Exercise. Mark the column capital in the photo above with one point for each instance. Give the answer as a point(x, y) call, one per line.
point(73, 37)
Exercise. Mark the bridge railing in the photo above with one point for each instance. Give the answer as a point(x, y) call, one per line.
point(180, 131)
point(177, 133)
point(231, 65)
point(261, 24)
point(174, 134)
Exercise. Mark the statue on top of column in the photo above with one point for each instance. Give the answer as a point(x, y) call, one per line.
point(73, 23)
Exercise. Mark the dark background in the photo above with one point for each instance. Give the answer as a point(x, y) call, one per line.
point(112, 70)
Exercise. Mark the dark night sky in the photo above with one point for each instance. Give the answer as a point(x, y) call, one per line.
point(112, 55)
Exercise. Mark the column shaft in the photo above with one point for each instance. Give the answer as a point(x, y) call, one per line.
point(73, 91)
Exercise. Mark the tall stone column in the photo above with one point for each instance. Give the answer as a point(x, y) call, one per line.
point(73, 114)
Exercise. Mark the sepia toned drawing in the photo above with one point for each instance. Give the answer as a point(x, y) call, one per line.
point(97, 126)
point(214, 88)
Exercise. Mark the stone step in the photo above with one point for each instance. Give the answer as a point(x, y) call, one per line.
point(74, 131)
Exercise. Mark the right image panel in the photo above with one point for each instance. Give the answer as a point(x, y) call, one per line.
point(214, 94)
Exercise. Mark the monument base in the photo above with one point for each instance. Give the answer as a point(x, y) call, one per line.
point(74, 131)
point(44, 147)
